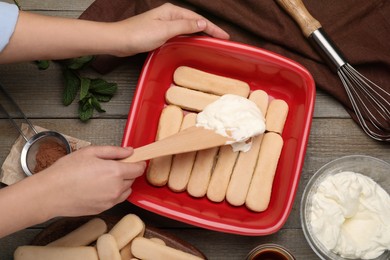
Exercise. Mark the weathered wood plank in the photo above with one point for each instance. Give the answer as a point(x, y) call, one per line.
point(71, 5)
point(39, 93)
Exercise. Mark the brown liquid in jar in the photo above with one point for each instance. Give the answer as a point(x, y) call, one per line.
point(269, 254)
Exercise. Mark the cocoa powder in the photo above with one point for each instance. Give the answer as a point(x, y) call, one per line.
point(48, 153)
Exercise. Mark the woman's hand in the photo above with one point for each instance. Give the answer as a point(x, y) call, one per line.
point(151, 29)
point(85, 182)
point(90, 180)
point(61, 38)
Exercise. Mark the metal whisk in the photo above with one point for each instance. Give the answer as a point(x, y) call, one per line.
point(370, 102)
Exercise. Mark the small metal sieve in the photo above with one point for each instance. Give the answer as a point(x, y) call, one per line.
point(31, 147)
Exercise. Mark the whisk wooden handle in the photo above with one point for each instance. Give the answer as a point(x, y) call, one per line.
point(297, 10)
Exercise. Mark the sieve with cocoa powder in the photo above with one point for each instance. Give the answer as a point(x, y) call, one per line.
point(42, 148)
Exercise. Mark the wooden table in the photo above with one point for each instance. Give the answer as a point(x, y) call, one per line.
point(333, 134)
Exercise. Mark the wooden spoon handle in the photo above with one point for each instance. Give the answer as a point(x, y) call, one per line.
point(191, 139)
point(297, 10)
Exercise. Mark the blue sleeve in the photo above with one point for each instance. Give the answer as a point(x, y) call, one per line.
point(8, 17)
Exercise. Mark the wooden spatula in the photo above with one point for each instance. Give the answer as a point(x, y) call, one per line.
point(191, 139)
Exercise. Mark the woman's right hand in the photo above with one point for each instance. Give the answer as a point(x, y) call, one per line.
point(89, 180)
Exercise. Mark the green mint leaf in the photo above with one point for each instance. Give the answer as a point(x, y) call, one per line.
point(72, 85)
point(101, 86)
point(102, 98)
point(78, 63)
point(96, 105)
point(84, 87)
point(42, 64)
point(85, 110)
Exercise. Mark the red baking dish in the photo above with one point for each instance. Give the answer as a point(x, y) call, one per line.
point(280, 77)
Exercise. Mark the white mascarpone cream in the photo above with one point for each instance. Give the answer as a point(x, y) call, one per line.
point(233, 116)
point(350, 215)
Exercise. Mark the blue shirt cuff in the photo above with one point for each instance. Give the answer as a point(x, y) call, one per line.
point(8, 17)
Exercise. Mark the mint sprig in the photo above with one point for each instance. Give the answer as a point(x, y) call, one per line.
point(92, 91)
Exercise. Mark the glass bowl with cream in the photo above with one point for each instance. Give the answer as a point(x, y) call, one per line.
point(345, 209)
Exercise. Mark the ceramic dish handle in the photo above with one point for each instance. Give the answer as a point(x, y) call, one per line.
point(297, 10)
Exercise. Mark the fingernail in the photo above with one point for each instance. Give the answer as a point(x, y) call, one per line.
point(201, 24)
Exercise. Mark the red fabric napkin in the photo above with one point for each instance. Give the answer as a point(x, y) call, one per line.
point(361, 30)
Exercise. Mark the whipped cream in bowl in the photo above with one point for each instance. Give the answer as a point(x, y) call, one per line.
point(345, 209)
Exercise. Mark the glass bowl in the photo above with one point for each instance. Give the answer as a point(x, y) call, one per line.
point(378, 170)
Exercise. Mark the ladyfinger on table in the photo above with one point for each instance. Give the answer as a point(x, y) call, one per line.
point(125, 252)
point(129, 227)
point(220, 177)
point(55, 252)
point(83, 235)
point(144, 248)
point(201, 172)
point(189, 99)
point(207, 82)
point(246, 162)
point(169, 124)
point(259, 193)
point(182, 163)
point(157, 240)
point(107, 248)
point(276, 116)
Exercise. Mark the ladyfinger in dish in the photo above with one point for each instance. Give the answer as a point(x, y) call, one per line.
point(207, 82)
point(276, 116)
point(201, 172)
point(246, 162)
point(182, 163)
point(169, 124)
point(189, 99)
point(220, 177)
point(241, 177)
point(259, 193)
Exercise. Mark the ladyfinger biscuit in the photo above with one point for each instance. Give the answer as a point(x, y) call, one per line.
point(201, 172)
point(182, 163)
point(242, 174)
point(246, 162)
point(55, 252)
point(125, 252)
point(189, 99)
point(206, 82)
point(107, 248)
point(126, 229)
point(259, 193)
point(220, 177)
point(276, 116)
point(260, 98)
point(158, 240)
point(144, 248)
point(83, 235)
point(169, 124)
